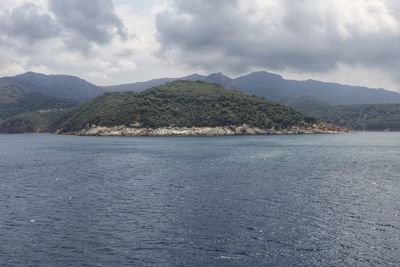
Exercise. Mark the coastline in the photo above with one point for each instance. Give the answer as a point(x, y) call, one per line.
point(204, 131)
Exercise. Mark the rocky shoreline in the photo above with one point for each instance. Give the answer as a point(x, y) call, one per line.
point(205, 131)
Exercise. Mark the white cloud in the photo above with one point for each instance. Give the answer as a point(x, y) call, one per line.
point(283, 35)
point(353, 42)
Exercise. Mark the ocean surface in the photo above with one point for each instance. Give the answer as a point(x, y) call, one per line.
point(311, 200)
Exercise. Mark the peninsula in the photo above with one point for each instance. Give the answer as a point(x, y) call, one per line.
point(186, 108)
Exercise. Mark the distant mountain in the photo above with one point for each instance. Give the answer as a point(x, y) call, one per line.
point(218, 78)
point(137, 87)
point(31, 112)
point(59, 86)
point(310, 105)
point(193, 77)
point(221, 79)
point(181, 104)
point(269, 85)
point(10, 93)
point(30, 102)
point(366, 117)
point(276, 88)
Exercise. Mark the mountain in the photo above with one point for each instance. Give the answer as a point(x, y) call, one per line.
point(181, 104)
point(276, 88)
point(366, 117)
point(310, 105)
point(58, 86)
point(193, 77)
point(31, 112)
point(369, 117)
point(218, 78)
point(221, 79)
point(269, 85)
point(10, 93)
point(137, 87)
point(30, 102)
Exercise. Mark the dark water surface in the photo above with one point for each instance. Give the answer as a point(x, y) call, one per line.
point(320, 200)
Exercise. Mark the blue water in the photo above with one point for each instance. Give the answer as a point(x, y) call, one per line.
point(317, 200)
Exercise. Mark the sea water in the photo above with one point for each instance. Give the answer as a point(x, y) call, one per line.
point(306, 200)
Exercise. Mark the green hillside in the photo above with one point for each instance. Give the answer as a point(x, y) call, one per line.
point(30, 102)
point(31, 112)
point(368, 117)
point(378, 117)
point(181, 104)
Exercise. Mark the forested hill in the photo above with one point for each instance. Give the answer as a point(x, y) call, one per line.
point(31, 112)
point(368, 117)
point(181, 104)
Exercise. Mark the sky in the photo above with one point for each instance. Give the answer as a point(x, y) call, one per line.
point(120, 41)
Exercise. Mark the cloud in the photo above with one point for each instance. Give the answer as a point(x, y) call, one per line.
point(119, 41)
point(87, 22)
point(304, 35)
point(73, 37)
point(28, 22)
point(80, 23)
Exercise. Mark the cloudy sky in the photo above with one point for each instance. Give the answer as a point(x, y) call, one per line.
point(119, 41)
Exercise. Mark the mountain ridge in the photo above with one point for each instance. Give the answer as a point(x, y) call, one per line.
point(260, 83)
point(276, 88)
point(57, 85)
point(21, 97)
point(365, 117)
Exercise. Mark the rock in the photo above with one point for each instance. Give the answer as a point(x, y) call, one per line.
point(134, 130)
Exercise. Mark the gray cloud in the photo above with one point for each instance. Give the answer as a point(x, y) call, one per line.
point(345, 41)
point(77, 24)
point(302, 35)
point(89, 21)
point(28, 22)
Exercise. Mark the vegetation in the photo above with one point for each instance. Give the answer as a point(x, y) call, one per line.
point(368, 117)
point(33, 102)
point(274, 87)
point(31, 113)
point(373, 117)
point(30, 102)
point(181, 104)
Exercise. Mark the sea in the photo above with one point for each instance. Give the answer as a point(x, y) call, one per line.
point(291, 200)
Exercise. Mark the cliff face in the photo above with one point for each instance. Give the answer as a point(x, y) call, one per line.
point(204, 131)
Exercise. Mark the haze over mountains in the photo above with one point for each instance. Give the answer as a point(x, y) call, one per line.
point(32, 99)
